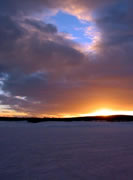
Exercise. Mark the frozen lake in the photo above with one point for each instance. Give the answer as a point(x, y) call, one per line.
point(66, 151)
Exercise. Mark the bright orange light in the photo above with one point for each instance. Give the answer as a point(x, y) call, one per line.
point(108, 112)
point(104, 112)
point(101, 112)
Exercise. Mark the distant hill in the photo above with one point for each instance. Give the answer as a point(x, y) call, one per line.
point(113, 118)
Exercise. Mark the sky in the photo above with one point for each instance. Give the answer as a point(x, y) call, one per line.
point(65, 58)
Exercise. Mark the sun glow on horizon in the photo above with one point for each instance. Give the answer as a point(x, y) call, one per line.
point(104, 112)
point(108, 112)
point(101, 112)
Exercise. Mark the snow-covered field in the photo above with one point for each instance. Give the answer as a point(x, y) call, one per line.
point(66, 151)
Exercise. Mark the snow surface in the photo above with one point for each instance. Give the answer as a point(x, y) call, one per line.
point(66, 151)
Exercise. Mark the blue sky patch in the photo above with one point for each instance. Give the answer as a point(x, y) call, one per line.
point(72, 25)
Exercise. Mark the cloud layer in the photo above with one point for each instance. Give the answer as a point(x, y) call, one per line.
point(44, 72)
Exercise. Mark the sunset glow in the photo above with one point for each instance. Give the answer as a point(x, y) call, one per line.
point(108, 112)
point(66, 89)
point(66, 58)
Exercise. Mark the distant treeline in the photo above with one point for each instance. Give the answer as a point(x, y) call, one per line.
point(114, 118)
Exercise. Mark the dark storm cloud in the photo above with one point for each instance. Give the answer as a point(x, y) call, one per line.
point(51, 71)
point(35, 64)
point(20, 84)
point(10, 31)
point(49, 28)
point(115, 23)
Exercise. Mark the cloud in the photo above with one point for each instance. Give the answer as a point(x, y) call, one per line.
point(52, 71)
point(48, 28)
